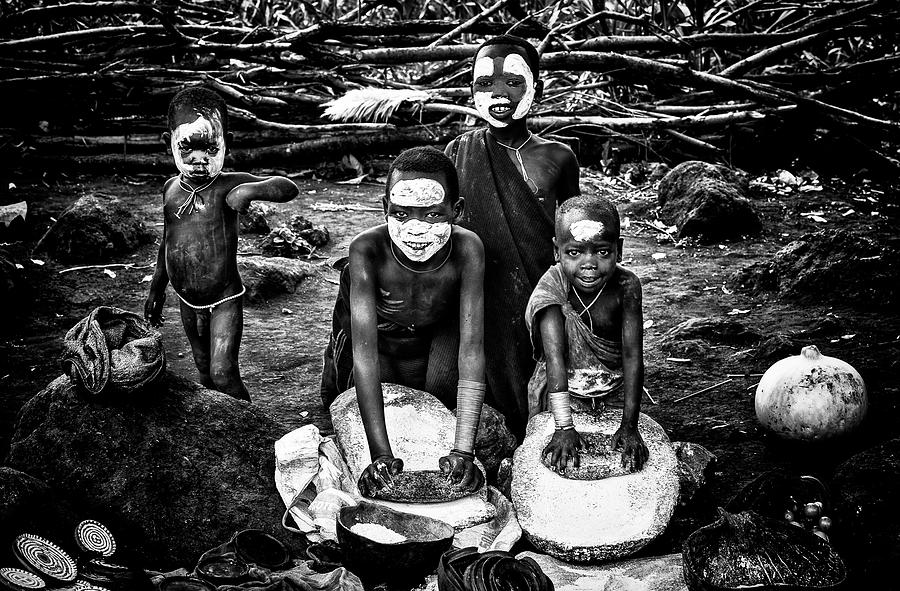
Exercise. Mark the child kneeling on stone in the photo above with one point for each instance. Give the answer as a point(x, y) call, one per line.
point(199, 246)
point(587, 327)
point(409, 311)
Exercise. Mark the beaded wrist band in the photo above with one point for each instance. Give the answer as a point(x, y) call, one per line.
point(562, 409)
point(469, 398)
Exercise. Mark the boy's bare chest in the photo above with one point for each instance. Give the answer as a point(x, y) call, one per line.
point(603, 316)
point(420, 300)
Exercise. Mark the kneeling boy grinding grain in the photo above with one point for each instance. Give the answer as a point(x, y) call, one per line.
point(410, 311)
point(587, 328)
point(198, 253)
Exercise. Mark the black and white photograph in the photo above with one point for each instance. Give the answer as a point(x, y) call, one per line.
point(433, 295)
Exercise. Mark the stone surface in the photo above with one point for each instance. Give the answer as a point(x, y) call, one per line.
point(693, 462)
point(599, 519)
point(268, 277)
point(95, 229)
point(420, 430)
point(29, 505)
point(829, 266)
point(865, 489)
point(661, 573)
point(175, 471)
point(707, 201)
point(255, 220)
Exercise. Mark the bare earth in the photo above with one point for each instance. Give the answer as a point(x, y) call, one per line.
point(284, 338)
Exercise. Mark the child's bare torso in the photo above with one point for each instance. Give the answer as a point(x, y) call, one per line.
point(546, 162)
point(607, 312)
point(201, 245)
point(416, 300)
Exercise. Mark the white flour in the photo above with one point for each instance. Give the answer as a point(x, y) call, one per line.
point(377, 533)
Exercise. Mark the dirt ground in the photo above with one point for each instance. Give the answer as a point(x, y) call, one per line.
point(284, 338)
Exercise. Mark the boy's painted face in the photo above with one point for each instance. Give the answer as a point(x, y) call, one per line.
point(419, 214)
point(503, 85)
point(587, 251)
point(198, 143)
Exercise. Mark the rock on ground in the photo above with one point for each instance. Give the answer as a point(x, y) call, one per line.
point(268, 277)
point(255, 220)
point(420, 430)
point(829, 266)
point(660, 573)
point(721, 331)
point(586, 520)
point(95, 229)
point(29, 505)
point(707, 201)
point(867, 523)
point(177, 469)
point(693, 462)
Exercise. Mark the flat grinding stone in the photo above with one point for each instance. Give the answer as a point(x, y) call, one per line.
point(592, 520)
point(421, 430)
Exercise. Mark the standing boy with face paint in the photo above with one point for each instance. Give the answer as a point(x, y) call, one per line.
point(513, 181)
point(587, 327)
point(410, 311)
point(198, 253)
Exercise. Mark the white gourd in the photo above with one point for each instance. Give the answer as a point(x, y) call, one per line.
point(811, 397)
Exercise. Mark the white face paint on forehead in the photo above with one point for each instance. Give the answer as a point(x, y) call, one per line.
point(585, 230)
point(417, 193)
point(516, 64)
point(484, 66)
point(200, 163)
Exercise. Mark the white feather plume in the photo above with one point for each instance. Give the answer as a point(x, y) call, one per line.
point(372, 104)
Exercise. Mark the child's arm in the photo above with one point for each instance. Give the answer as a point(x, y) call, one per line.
point(570, 176)
point(634, 452)
point(255, 188)
point(153, 307)
point(459, 463)
point(565, 443)
point(366, 372)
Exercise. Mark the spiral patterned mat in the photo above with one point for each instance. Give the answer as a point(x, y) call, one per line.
point(94, 538)
point(16, 578)
point(45, 557)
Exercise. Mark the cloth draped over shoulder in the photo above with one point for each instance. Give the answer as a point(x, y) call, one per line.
point(112, 349)
point(337, 375)
point(593, 364)
point(517, 234)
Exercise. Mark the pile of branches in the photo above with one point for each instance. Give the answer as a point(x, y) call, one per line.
point(91, 80)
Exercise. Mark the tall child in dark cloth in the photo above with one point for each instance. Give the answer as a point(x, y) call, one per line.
point(410, 311)
point(512, 181)
point(587, 325)
point(198, 253)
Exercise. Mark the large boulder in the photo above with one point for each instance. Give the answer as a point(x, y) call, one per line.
point(867, 524)
point(267, 277)
point(95, 229)
point(586, 520)
point(174, 470)
point(829, 266)
point(29, 505)
point(420, 430)
point(658, 573)
point(707, 201)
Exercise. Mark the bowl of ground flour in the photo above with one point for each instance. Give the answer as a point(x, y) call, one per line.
point(380, 544)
